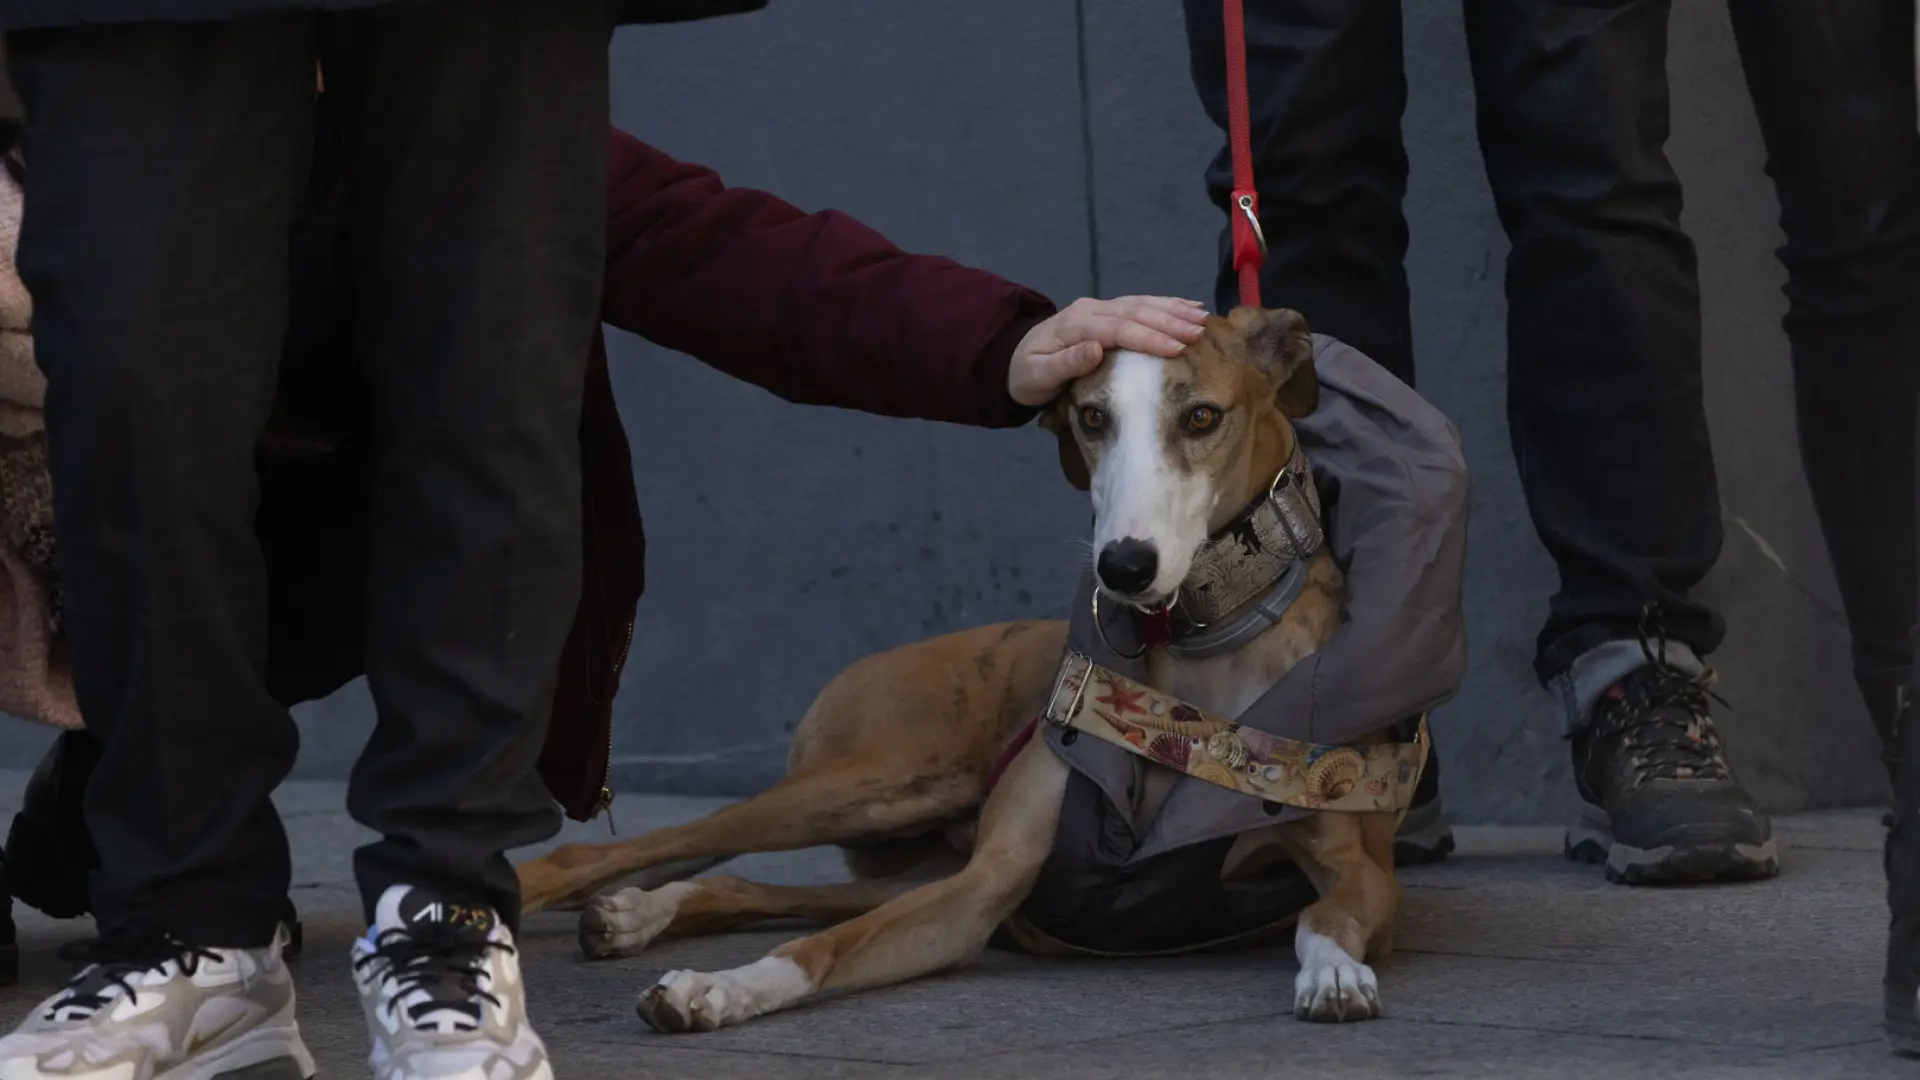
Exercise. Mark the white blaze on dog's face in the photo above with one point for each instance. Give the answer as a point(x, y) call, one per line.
point(1150, 507)
point(1172, 450)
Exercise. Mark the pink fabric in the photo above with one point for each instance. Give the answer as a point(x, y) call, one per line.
point(1014, 746)
point(35, 682)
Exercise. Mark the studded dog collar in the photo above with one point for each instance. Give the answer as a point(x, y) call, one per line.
point(1277, 535)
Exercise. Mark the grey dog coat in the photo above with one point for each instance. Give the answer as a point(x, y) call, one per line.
point(1394, 495)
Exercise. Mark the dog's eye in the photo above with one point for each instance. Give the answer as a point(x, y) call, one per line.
point(1093, 418)
point(1202, 419)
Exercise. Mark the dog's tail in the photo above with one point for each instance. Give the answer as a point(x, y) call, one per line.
point(654, 877)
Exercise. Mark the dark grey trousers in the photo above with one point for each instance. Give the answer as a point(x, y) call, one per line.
point(1604, 384)
point(168, 163)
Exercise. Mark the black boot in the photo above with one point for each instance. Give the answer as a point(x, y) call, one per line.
point(1903, 896)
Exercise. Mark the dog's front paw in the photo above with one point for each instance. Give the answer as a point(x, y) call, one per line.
point(1336, 991)
point(684, 1001)
point(626, 922)
point(695, 1001)
point(1333, 986)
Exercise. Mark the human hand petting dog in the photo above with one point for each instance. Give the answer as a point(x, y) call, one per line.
point(1071, 343)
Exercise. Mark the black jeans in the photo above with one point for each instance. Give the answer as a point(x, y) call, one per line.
point(167, 163)
point(1604, 384)
point(1834, 87)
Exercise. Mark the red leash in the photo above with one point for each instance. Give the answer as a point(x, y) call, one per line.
point(1249, 243)
point(1249, 251)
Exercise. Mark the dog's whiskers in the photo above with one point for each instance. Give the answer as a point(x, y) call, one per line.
point(1085, 546)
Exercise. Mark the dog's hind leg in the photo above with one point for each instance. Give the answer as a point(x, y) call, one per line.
point(932, 928)
point(828, 805)
point(624, 923)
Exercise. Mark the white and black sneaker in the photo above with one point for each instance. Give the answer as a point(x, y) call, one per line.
point(440, 984)
point(149, 1007)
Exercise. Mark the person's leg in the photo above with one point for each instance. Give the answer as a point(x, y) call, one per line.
point(479, 229)
point(1834, 88)
point(1326, 86)
point(1900, 988)
point(155, 247)
point(1608, 426)
point(165, 162)
point(1326, 89)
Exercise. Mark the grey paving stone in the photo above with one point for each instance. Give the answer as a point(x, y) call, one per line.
point(1512, 962)
point(1394, 1050)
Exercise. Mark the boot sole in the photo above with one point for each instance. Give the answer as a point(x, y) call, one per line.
point(1707, 855)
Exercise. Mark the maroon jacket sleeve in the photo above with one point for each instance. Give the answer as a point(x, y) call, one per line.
point(816, 308)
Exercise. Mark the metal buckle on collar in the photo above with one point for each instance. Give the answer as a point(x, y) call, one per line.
point(1290, 480)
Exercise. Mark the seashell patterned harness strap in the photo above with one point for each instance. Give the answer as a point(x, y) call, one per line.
point(1163, 729)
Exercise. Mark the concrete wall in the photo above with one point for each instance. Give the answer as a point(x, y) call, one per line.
point(786, 542)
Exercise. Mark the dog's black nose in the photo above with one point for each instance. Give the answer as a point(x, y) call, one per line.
point(1128, 567)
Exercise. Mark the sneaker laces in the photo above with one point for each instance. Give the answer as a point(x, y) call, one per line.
point(1663, 716)
point(110, 963)
point(435, 971)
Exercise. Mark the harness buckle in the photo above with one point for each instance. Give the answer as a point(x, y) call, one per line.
point(1059, 681)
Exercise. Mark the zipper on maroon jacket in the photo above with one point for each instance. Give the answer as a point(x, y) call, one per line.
point(605, 803)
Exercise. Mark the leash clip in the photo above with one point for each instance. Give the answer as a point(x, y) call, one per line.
point(1245, 201)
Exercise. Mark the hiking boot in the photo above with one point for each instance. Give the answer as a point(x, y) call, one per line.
point(150, 1006)
point(1659, 804)
point(1424, 836)
point(440, 985)
point(1902, 864)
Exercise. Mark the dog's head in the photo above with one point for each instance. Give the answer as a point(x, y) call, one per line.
point(1173, 450)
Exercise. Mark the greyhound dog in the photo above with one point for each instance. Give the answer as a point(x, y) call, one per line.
point(904, 759)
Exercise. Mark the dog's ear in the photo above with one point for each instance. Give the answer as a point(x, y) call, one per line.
point(1072, 462)
point(1279, 343)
